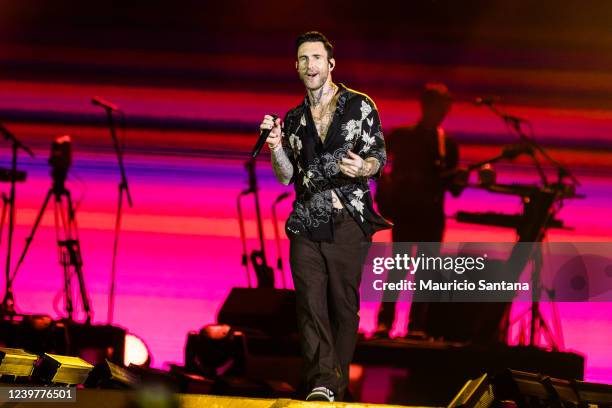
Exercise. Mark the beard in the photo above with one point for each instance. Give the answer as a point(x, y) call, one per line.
point(313, 83)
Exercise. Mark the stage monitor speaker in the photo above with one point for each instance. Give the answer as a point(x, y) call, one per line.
point(67, 370)
point(533, 389)
point(109, 375)
point(477, 393)
point(266, 310)
point(16, 362)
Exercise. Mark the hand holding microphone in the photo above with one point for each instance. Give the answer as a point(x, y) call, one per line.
point(271, 124)
point(270, 132)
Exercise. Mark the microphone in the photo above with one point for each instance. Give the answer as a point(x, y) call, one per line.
point(96, 100)
point(262, 139)
point(281, 197)
point(487, 101)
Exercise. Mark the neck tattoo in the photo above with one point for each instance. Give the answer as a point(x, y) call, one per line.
point(317, 96)
point(323, 110)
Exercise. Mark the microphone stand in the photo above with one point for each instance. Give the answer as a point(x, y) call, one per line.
point(263, 272)
point(245, 256)
point(531, 146)
point(123, 188)
point(8, 303)
point(279, 260)
point(514, 123)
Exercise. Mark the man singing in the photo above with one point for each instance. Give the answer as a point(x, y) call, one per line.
point(328, 146)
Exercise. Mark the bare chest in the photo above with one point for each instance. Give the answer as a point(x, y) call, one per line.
point(322, 117)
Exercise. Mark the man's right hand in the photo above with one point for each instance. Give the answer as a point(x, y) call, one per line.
point(274, 138)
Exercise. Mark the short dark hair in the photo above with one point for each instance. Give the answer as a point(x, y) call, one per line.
point(315, 36)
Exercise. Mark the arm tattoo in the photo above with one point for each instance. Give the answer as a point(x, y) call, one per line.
point(283, 169)
point(368, 171)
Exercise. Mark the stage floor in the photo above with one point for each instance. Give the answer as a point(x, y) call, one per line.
point(117, 399)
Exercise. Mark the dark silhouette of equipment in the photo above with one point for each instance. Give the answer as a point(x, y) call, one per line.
point(526, 389)
point(521, 389)
point(66, 229)
point(123, 186)
point(266, 310)
point(8, 302)
point(263, 272)
point(541, 203)
point(215, 350)
point(6, 175)
point(277, 238)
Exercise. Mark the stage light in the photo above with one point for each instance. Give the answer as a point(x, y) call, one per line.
point(136, 351)
point(16, 362)
point(356, 372)
point(215, 350)
point(486, 175)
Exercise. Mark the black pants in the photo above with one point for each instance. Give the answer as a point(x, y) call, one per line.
point(326, 277)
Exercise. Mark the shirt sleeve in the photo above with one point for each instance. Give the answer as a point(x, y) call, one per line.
point(373, 138)
point(286, 143)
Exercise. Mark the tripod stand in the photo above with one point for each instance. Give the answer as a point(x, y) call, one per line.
point(538, 325)
point(69, 249)
point(539, 211)
point(8, 303)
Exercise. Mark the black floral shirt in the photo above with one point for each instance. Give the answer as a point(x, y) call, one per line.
point(355, 127)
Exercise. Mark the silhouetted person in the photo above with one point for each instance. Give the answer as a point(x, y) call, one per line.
point(424, 166)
